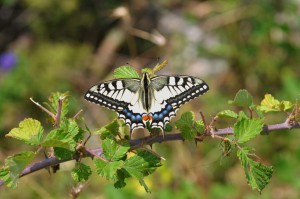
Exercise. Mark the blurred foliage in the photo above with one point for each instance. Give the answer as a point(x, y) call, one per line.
point(48, 46)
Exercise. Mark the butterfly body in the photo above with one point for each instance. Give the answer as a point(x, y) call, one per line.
point(154, 100)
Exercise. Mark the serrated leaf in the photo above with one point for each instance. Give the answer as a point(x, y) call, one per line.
point(242, 98)
point(108, 169)
point(125, 72)
point(199, 126)
point(109, 129)
point(188, 126)
point(245, 129)
point(81, 172)
point(120, 181)
point(7, 178)
point(160, 66)
point(63, 153)
point(59, 138)
point(14, 165)
point(168, 127)
point(269, 103)
point(140, 165)
point(65, 137)
point(257, 174)
point(286, 105)
point(227, 114)
point(114, 150)
point(29, 131)
point(71, 127)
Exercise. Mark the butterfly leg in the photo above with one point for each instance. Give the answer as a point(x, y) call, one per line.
point(163, 133)
point(130, 133)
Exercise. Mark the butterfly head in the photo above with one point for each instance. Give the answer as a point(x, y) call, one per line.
point(146, 78)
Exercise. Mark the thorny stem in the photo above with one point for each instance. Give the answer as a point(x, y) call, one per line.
point(149, 140)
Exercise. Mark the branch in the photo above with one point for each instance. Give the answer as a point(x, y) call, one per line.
point(149, 140)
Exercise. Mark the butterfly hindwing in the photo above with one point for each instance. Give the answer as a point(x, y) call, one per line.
point(170, 92)
point(120, 95)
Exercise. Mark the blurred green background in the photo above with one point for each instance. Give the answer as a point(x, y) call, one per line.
point(49, 46)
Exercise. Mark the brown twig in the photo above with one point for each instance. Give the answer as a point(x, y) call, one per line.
point(76, 115)
point(153, 152)
point(44, 109)
point(59, 109)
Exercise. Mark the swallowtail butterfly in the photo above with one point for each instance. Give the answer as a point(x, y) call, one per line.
point(150, 99)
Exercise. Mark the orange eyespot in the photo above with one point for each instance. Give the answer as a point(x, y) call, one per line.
point(147, 117)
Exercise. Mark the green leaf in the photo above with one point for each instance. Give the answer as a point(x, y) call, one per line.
point(188, 126)
point(71, 127)
point(227, 114)
point(242, 114)
point(160, 66)
point(245, 129)
point(286, 105)
point(147, 70)
point(53, 106)
point(81, 172)
point(242, 98)
point(140, 165)
point(125, 72)
point(168, 127)
point(30, 131)
point(14, 165)
point(114, 150)
point(63, 153)
point(65, 137)
point(59, 138)
point(120, 182)
point(109, 129)
point(108, 169)
point(257, 174)
point(270, 104)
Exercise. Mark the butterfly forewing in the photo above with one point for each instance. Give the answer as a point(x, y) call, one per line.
point(121, 96)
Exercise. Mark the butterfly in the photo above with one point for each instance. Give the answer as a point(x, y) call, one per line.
point(149, 99)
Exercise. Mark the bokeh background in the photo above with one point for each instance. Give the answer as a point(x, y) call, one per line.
point(49, 46)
